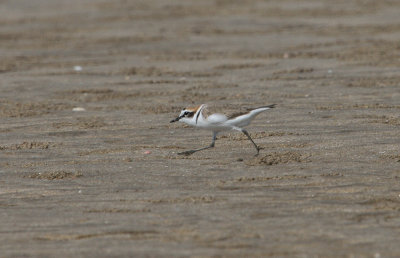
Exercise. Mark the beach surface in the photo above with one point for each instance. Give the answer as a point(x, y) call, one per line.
point(88, 158)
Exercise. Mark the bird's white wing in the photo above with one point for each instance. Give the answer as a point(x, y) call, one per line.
point(217, 118)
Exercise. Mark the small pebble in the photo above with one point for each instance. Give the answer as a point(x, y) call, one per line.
point(77, 68)
point(127, 159)
point(147, 152)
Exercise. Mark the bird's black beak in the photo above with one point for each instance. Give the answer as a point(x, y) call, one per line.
point(176, 119)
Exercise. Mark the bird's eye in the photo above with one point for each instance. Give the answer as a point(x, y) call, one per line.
point(186, 113)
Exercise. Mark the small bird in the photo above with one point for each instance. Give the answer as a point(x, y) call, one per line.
point(218, 122)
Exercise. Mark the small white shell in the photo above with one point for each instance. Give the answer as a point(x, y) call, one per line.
point(78, 109)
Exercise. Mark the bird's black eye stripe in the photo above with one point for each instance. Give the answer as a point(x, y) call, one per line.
point(188, 114)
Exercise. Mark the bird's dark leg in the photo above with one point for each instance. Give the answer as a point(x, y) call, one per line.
point(248, 136)
point(190, 152)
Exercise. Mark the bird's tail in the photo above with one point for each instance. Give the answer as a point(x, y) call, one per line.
point(258, 110)
point(266, 107)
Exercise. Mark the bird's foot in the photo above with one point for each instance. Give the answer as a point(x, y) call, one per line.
point(258, 150)
point(187, 153)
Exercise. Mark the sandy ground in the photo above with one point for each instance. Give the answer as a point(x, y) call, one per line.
point(107, 181)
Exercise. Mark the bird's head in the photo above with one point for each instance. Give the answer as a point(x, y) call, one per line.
point(187, 114)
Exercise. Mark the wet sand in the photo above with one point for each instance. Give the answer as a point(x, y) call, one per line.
point(107, 181)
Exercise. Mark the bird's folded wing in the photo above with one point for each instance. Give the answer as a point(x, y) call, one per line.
point(216, 118)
